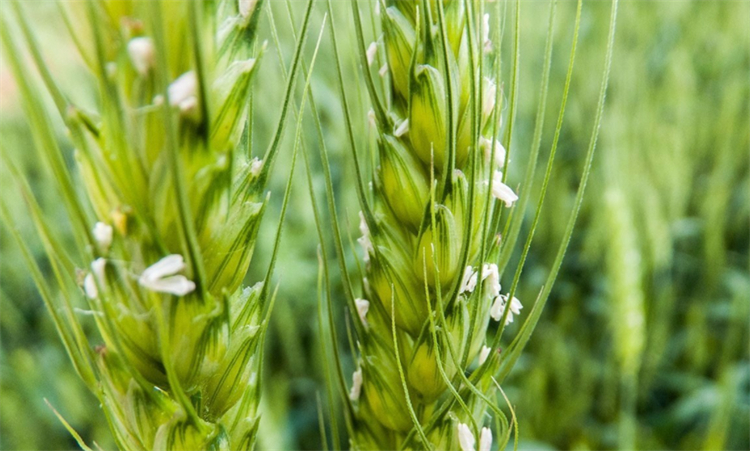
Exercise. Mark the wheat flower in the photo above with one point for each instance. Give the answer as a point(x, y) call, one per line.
point(501, 191)
point(485, 439)
point(162, 277)
point(95, 278)
point(465, 437)
point(103, 235)
point(363, 306)
point(142, 54)
point(483, 354)
point(499, 307)
point(356, 385)
point(469, 280)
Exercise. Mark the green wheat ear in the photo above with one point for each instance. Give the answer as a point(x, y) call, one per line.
point(174, 200)
point(428, 368)
point(431, 282)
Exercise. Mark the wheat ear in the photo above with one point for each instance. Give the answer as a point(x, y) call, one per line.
point(174, 199)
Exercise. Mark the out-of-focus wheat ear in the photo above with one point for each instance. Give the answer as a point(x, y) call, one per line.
point(627, 320)
point(157, 177)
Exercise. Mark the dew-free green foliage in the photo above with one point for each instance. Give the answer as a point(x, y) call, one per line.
point(674, 143)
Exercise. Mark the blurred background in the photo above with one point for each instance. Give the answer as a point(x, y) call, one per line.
point(644, 343)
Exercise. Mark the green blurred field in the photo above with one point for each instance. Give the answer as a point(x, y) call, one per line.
point(645, 341)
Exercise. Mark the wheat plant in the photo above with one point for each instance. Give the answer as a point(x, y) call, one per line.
point(440, 218)
point(432, 284)
point(166, 218)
